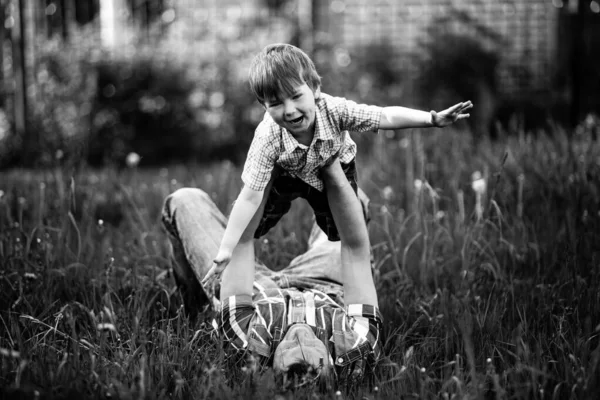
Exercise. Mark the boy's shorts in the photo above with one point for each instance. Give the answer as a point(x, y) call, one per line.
point(287, 188)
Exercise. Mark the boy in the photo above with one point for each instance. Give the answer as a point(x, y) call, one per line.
point(302, 149)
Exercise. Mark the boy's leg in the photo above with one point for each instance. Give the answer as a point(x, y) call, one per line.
point(347, 212)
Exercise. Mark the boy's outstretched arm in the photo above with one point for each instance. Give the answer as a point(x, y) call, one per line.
point(244, 209)
point(396, 117)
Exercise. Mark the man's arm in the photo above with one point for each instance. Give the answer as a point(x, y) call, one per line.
point(401, 117)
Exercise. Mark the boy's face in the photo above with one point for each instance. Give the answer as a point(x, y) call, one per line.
point(296, 113)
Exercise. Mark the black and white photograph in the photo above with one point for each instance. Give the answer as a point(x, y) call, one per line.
point(299, 199)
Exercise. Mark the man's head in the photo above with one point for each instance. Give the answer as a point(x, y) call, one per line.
point(301, 357)
point(284, 80)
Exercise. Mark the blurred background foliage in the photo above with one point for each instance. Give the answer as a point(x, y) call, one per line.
point(174, 89)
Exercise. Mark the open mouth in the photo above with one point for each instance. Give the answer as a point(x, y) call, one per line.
point(296, 121)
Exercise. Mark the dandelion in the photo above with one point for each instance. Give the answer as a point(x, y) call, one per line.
point(104, 326)
point(30, 276)
point(59, 154)
point(10, 353)
point(418, 185)
point(478, 183)
point(423, 370)
point(133, 159)
point(387, 193)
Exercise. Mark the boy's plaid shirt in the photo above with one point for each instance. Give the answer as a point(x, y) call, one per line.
point(273, 145)
point(258, 323)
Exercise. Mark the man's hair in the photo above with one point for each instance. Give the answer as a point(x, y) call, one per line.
point(279, 69)
point(302, 374)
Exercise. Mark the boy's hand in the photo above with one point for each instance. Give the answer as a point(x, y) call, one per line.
point(214, 273)
point(451, 115)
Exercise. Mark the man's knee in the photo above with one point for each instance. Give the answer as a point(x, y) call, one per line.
point(184, 195)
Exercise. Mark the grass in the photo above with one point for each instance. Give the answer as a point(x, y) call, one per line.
point(487, 293)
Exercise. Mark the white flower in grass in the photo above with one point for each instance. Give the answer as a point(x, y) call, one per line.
point(478, 183)
point(418, 185)
point(104, 326)
point(10, 353)
point(387, 193)
point(133, 159)
point(30, 276)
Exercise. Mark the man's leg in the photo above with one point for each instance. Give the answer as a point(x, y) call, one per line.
point(359, 287)
point(195, 226)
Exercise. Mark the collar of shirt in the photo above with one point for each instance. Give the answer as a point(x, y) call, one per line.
point(322, 132)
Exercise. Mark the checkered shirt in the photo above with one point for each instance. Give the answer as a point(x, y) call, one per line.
point(273, 145)
point(258, 323)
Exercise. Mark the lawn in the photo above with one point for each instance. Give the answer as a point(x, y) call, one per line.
point(485, 261)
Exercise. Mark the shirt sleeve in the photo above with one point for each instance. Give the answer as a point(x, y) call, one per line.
point(367, 322)
point(236, 314)
point(357, 334)
point(261, 157)
point(356, 117)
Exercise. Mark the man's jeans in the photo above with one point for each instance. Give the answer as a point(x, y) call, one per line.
point(196, 226)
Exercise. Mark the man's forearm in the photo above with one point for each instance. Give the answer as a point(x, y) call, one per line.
point(401, 117)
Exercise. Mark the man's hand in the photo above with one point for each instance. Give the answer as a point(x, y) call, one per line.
point(219, 264)
point(451, 115)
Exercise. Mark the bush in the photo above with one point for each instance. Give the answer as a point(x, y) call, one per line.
point(180, 94)
point(458, 66)
point(58, 106)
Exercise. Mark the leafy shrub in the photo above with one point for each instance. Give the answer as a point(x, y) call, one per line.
point(174, 98)
point(458, 66)
point(59, 104)
point(180, 93)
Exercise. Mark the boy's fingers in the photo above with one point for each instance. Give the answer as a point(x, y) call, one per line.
point(456, 107)
point(210, 275)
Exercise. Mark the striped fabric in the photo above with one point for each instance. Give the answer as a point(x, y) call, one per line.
point(257, 324)
point(273, 145)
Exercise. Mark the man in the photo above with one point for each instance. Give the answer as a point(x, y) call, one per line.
point(293, 320)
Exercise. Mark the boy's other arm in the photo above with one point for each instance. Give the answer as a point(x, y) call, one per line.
point(397, 117)
point(243, 211)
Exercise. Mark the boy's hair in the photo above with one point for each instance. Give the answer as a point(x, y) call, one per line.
point(278, 69)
